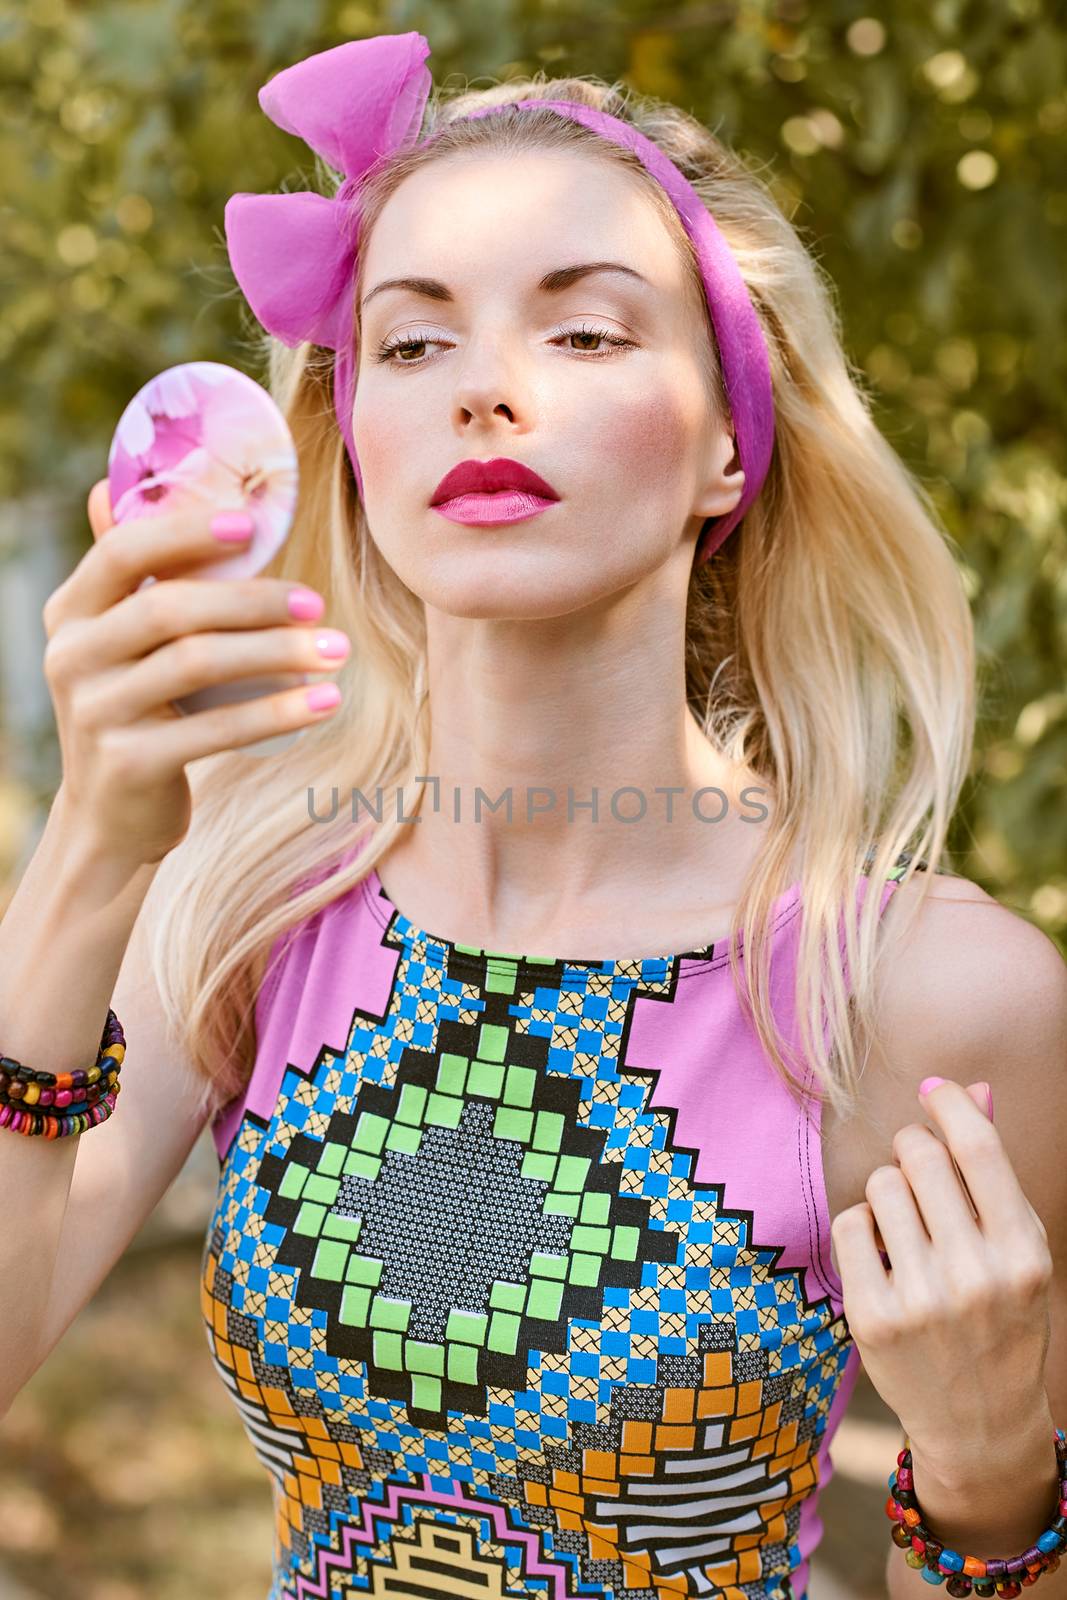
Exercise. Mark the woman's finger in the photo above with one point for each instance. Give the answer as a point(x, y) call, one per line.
point(854, 1233)
point(983, 1162)
point(937, 1190)
point(894, 1208)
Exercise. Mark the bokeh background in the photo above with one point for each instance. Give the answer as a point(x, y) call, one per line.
point(920, 150)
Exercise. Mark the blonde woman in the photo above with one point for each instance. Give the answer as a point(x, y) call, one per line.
point(597, 1051)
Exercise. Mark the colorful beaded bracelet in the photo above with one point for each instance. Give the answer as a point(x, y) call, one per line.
point(971, 1574)
point(80, 1099)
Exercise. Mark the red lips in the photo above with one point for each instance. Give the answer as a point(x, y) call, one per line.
point(484, 477)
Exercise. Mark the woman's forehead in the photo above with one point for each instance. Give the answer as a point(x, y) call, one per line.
point(527, 212)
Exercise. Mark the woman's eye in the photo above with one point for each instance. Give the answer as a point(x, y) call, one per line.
point(387, 351)
point(602, 334)
point(398, 347)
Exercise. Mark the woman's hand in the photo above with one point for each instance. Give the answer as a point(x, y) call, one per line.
point(955, 1333)
point(118, 655)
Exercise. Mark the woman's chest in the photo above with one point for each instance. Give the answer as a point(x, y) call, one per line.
point(499, 1252)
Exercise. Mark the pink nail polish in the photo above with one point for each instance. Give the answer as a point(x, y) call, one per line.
point(306, 604)
point(930, 1083)
point(232, 526)
point(989, 1097)
point(323, 696)
point(331, 643)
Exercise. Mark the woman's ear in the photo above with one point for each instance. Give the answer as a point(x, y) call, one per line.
point(725, 483)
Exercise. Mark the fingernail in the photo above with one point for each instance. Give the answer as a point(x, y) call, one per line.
point(323, 696)
point(231, 526)
point(989, 1097)
point(330, 642)
point(306, 604)
point(930, 1083)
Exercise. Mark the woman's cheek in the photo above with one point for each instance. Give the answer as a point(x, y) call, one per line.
point(646, 437)
point(381, 430)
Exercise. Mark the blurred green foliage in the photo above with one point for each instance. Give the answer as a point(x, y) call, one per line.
point(919, 147)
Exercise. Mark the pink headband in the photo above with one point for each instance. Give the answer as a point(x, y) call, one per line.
point(294, 254)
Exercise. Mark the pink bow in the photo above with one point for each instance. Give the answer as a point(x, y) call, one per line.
point(294, 255)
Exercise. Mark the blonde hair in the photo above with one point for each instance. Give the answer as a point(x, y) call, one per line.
point(829, 647)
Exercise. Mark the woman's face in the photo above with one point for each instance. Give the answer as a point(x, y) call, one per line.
point(493, 364)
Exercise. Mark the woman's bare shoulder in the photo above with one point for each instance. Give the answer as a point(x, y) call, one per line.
point(944, 885)
point(968, 985)
point(944, 930)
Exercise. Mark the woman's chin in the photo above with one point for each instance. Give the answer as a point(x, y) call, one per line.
point(535, 586)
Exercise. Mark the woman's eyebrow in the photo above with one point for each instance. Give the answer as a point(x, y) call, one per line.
point(551, 283)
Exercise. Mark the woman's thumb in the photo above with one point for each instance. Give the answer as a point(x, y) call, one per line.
point(100, 518)
point(982, 1095)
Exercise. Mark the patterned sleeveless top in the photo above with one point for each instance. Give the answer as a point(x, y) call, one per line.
point(519, 1272)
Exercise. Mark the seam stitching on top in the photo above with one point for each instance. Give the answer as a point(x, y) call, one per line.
point(807, 1188)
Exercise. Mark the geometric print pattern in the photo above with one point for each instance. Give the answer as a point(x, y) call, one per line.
point(485, 1332)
